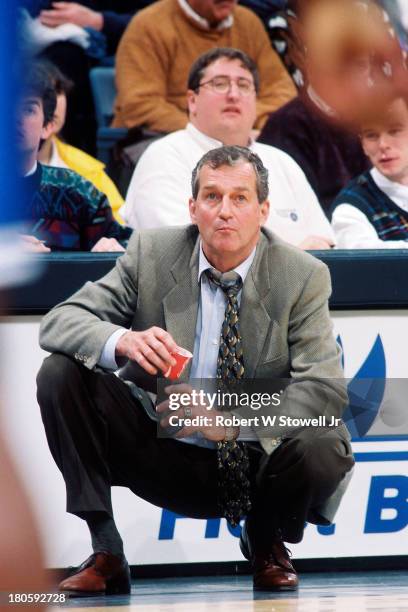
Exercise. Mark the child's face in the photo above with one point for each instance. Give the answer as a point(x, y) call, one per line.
point(30, 129)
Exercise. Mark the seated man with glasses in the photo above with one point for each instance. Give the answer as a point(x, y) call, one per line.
point(222, 100)
point(160, 45)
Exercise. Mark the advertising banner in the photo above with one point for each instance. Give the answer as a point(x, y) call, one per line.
point(372, 519)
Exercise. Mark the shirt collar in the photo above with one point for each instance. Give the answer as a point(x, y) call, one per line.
point(223, 25)
point(242, 269)
point(56, 159)
point(391, 188)
point(32, 170)
point(206, 142)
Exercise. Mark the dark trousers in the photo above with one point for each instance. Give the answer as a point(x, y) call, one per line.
point(100, 436)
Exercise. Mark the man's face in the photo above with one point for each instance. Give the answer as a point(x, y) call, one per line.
point(228, 213)
point(30, 128)
point(385, 142)
point(213, 11)
point(224, 115)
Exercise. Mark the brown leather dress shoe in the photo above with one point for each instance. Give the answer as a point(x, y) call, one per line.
point(101, 574)
point(272, 568)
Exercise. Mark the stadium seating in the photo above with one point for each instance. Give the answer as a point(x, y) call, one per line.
point(104, 93)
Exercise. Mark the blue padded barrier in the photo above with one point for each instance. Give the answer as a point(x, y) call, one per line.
point(363, 279)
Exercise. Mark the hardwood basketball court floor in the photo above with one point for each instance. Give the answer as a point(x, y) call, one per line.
point(372, 591)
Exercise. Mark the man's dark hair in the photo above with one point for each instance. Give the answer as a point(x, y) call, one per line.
point(36, 82)
point(208, 58)
point(62, 84)
point(231, 156)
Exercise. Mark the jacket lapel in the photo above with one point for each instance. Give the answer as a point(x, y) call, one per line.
point(254, 318)
point(180, 305)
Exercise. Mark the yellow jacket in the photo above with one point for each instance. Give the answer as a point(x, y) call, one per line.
point(93, 170)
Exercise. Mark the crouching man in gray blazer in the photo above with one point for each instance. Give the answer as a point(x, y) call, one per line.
point(247, 305)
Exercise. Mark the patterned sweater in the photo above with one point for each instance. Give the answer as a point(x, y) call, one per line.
point(390, 221)
point(67, 211)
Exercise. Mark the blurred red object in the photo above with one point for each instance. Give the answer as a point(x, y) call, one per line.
point(352, 56)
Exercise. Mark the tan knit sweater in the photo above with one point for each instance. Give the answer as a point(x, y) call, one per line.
point(155, 55)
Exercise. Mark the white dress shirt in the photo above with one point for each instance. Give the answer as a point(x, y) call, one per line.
point(211, 311)
point(161, 187)
point(32, 170)
point(354, 230)
point(210, 317)
point(56, 160)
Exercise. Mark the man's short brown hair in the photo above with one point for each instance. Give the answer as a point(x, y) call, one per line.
point(208, 58)
point(231, 155)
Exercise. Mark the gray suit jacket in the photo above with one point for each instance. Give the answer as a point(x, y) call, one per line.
point(284, 319)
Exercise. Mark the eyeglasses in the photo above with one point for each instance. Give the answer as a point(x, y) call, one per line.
point(222, 84)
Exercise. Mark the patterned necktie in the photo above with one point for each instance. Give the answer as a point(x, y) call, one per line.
point(232, 456)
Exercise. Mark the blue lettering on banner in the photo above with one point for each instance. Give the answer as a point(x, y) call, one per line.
point(212, 530)
point(326, 530)
point(168, 523)
point(378, 501)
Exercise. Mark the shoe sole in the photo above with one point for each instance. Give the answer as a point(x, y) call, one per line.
point(72, 594)
point(108, 592)
point(276, 589)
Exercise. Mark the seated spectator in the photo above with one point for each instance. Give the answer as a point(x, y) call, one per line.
point(161, 43)
point(63, 210)
point(76, 36)
point(222, 89)
point(372, 211)
point(54, 152)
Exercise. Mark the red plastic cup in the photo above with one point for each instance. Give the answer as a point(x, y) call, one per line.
point(182, 358)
